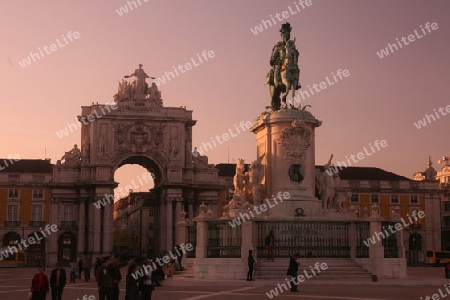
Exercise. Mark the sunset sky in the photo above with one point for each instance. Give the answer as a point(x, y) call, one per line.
point(380, 100)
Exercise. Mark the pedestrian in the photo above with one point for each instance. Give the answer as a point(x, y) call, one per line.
point(133, 284)
point(179, 254)
point(270, 245)
point(105, 281)
point(39, 285)
point(251, 263)
point(73, 267)
point(57, 281)
point(98, 263)
point(293, 270)
point(147, 283)
point(80, 268)
point(117, 277)
point(87, 269)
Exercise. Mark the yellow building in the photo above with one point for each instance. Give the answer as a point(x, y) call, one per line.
point(24, 204)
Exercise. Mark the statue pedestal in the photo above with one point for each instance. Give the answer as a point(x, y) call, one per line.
point(286, 142)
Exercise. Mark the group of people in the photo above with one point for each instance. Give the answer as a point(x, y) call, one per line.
point(139, 282)
point(269, 242)
point(107, 275)
point(80, 267)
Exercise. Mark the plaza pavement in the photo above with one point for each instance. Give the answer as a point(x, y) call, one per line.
point(422, 281)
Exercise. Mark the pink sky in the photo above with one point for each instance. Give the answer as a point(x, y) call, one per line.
point(380, 100)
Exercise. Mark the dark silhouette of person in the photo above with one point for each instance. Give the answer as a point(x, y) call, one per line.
point(57, 281)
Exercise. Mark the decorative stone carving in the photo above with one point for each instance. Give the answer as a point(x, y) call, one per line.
point(295, 140)
point(138, 137)
point(327, 183)
point(137, 94)
point(254, 177)
point(72, 157)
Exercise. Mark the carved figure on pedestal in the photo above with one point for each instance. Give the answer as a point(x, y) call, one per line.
point(239, 177)
point(254, 177)
point(73, 157)
point(284, 74)
point(139, 84)
point(328, 184)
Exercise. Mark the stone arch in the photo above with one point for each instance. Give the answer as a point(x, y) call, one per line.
point(36, 251)
point(12, 238)
point(144, 160)
point(67, 247)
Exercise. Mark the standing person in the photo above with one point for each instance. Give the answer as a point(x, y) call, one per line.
point(73, 267)
point(39, 285)
point(293, 270)
point(105, 281)
point(98, 263)
point(117, 277)
point(179, 254)
point(270, 245)
point(87, 269)
point(132, 284)
point(251, 263)
point(57, 281)
point(80, 268)
point(147, 284)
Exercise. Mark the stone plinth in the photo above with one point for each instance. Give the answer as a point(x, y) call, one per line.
point(286, 142)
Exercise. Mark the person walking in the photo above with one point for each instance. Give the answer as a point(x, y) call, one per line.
point(80, 268)
point(39, 285)
point(179, 255)
point(87, 269)
point(57, 281)
point(133, 284)
point(293, 270)
point(251, 263)
point(73, 267)
point(105, 281)
point(147, 284)
point(117, 277)
point(270, 245)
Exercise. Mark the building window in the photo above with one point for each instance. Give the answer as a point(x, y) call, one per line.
point(38, 194)
point(446, 221)
point(68, 212)
point(39, 177)
point(354, 198)
point(13, 193)
point(150, 227)
point(13, 213)
point(374, 198)
point(14, 176)
point(37, 213)
point(447, 206)
point(414, 199)
point(394, 199)
point(151, 212)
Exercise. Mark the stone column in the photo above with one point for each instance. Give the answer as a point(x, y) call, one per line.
point(96, 230)
point(169, 224)
point(191, 211)
point(90, 230)
point(81, 226)
point(107, 228)
point(200, 265)
point(52, 240)
point(181, 230)
point(178, 209)
point(246, 244)
point(376, 251)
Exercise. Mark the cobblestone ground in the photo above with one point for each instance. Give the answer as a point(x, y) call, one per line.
point(15, 283)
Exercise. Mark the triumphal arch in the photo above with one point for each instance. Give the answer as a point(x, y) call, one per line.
point(134, 129)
